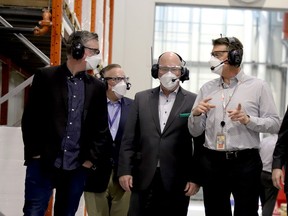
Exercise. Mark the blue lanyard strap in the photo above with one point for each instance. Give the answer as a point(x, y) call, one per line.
point(111, 122)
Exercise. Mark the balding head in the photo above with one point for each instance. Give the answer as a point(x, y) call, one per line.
point(170, 59)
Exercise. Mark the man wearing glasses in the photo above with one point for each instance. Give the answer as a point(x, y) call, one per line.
point(232, 110)
point(103, 194)
point(65, 129)
point(155, 159)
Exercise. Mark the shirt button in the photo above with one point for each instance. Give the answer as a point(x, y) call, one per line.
point(74, 96)
point(70, 123)
point(72, 110)
point(68, 137)
point(65, 150)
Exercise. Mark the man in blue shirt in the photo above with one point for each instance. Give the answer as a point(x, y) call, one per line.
point(101, 198)
point(65, 129)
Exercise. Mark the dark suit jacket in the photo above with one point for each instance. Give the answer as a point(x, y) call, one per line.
point(45, 118)
point(143, 144)
point(93, 182)
point(280, 155)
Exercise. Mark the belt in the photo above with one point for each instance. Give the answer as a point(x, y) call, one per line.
point(230, 155)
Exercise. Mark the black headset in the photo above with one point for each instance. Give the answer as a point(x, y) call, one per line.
point(184, 71)
point(104, 80)
point(234, 55)
point(77, 48)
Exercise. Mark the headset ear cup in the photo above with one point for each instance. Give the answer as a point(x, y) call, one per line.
point(234, 55)
point(128, 86)
point(106, 84)
point(184, 74)
point(102, 79)
point(234, 58)
point(154, 71)
point(77, 50)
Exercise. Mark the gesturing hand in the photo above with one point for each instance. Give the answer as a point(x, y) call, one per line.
point(238, 114)
point(202, 107)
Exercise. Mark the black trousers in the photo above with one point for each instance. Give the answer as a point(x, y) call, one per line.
point(268, 194)
point(236, 174)
point(156, 201)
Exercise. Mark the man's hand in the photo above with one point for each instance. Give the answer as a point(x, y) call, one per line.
point(191, 189)
point(278, 178)
point(202, 107)
point(238, 114)
point(126, 182)
point(87, 164)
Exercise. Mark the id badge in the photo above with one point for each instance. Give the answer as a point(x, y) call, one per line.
point(220, 141)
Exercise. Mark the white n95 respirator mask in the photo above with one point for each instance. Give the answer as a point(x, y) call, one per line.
point(92, 62)
point(120, 89)
point(169, 80)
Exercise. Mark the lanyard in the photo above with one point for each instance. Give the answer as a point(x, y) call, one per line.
point(225, 105)
point(111, 122)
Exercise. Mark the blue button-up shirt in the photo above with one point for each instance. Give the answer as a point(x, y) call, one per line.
point(70, 147)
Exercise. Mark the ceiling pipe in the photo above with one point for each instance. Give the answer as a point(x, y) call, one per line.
point(15, 29)
point(45, 23)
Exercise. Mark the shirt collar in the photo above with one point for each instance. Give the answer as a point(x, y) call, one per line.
point(112, 102)
point(238, 78)
point(69, 75)
point(174, 92)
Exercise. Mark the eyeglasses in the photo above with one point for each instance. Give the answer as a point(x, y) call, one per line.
point(173, 69)
point(117, 79)
point(95, 51)
point(218, 53)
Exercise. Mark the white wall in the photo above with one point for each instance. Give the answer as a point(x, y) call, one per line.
point(133, 33)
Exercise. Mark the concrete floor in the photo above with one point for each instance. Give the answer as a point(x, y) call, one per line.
point(13, 173)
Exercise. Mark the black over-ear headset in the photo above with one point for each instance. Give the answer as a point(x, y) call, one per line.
point(102, 71)
point(77, 48)
point(234, 55)
point(102, 78)
point(184, 71)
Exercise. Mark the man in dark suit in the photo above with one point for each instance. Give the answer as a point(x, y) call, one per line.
point(155, 160)
point(280, 159)
point(111, 200)
point(65, 129)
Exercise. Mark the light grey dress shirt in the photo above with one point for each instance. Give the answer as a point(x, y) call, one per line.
point(267, 147)
point(256, 99)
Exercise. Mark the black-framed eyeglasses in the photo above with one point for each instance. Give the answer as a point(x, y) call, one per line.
point(117, 79)
point(95, 51)
point(218, 53)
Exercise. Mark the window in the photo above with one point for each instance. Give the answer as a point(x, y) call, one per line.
point(189, 30)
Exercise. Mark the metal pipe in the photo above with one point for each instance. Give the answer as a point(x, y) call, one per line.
point(15, 29)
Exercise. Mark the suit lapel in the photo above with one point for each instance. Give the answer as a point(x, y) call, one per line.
point(154, 103)
point(124, 113)
point(179, 101)
point(59, 88)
